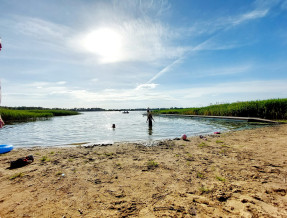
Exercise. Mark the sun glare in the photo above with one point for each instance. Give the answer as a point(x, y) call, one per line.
point(104, 42)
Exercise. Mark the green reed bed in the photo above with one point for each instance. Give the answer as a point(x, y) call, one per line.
point(274, 109)
point(11, 115)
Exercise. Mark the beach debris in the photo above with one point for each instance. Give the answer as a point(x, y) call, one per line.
point(80, 211)
point(192, 211)
point(217, 132)
point(21, 162)
point(202, 137)
point(114, 126)
point(183, 137)
point(98, 181)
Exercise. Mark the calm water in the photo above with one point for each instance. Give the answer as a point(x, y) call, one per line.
point(96, 127)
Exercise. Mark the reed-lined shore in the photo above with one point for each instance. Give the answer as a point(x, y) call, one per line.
point(12, 115)
point(235, 174)
point(274, 109)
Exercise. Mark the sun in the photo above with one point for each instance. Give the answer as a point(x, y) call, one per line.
point(105, 42)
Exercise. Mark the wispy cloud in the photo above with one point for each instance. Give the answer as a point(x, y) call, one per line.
point(166, 69)
point(218, 26)
point(41, 29)
point(255, 14)
point(251, 87)
point(229, 70)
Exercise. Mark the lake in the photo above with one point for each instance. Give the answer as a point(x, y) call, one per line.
point(96, 128)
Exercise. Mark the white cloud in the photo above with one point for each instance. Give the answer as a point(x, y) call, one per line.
point(146, 86)
point(50, 94)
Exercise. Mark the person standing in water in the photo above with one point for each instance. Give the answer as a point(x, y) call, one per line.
point(149, 118)
point(1, 122)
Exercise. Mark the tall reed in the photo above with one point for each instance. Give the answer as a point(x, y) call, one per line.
point(10, 115)
point(275, 109)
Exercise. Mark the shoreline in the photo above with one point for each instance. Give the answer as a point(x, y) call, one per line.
point(236, 173)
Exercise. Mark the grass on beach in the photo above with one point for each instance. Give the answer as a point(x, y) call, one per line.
point(274, 109)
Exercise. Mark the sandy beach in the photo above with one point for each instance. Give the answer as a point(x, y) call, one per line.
point(235, 174)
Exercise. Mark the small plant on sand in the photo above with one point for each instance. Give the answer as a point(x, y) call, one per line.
point(219, 178)
point(70, 159)
point(219, 141)
point(199, 175)
point(203, 190)
point(223, 151)
point(152, 164)
point(109, 154)
point(202, 144)
point(45, 159)
point(52, 152)
point(16, 176)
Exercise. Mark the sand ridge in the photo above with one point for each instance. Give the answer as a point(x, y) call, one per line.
point(235, 174)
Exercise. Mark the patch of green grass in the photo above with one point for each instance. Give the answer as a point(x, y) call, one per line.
point(219, 178)
point(219, 141)
point(203, 190)
point(52, 152)
point(70, 159)
point(202, 144)
point(152, 164)
point(45, 159)
point(189, 154)
point(17, 175)
point(223, 151)
point(109, 154)
point(199, 175)
point(227, 146)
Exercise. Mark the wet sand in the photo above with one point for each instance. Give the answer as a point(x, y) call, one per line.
point(235, 174)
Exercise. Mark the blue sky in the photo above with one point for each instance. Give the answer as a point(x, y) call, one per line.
point(142, 53)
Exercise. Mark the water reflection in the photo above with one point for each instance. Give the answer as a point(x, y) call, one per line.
point(150, 130)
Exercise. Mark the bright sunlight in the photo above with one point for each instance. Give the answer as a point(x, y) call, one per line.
point(106, 43)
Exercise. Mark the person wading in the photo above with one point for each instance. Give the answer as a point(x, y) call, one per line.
point(149, 118)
